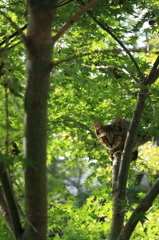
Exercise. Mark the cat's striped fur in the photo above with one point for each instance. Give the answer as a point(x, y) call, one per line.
point(113, 136)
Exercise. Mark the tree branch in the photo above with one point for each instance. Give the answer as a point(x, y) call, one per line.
point(115, 171)
point(130, 140)
point(13, 35)
point(74, 19)
point(19, 30)
point(127, 153)
point(118, 197)
point(120, 189)
point(60, 4)
point(145, 204)
point(132, 133)
point(108, 30)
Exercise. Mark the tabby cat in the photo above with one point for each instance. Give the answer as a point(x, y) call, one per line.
point(113, 137)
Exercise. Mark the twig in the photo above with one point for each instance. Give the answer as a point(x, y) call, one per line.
point(74, 19)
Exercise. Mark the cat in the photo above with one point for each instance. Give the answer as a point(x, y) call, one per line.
point(113, 137)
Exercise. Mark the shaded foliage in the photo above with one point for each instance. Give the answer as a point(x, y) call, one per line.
point(93, 78)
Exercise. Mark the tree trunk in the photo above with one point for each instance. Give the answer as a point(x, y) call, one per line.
point(39, 55)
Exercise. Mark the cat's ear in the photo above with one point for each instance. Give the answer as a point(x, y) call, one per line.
point(118, 123)
point(97, 126)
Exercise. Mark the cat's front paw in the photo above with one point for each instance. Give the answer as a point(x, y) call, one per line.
point(117, 153)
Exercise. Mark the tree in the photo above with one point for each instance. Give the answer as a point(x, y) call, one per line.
point(94, 72)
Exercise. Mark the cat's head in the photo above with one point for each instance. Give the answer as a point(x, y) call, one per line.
point(110, 135)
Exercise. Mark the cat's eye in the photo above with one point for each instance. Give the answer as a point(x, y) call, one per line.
point(104, 138)
point(116, 136)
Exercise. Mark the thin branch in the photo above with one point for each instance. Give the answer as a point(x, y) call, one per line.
point(108, 30)
point(13, 35)
point(19, 30)
point(14, 45)
point(74, 19)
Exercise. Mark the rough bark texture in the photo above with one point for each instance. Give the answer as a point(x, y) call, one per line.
point(118, 215)
point(39, 55)
point(131, 136)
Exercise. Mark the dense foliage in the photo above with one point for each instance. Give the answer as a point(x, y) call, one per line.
point(99, 64)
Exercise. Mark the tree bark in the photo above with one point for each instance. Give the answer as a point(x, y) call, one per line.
point(39, 46)
point(118, 215)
